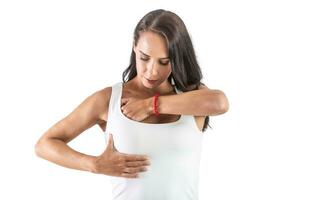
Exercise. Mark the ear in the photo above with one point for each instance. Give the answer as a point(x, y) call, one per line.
point(134, 47)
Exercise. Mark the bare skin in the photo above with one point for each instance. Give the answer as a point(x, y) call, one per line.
point(114, 163)
point(129, 90)
point(153, 62)
point(53, 147)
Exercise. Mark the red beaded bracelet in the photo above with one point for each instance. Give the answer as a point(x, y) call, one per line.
point(155, 104)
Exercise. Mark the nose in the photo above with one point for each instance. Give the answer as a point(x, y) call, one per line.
point(152, 70)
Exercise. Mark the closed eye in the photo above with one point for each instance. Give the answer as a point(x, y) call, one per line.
point(144, 59)
point(162, 63)
point(166, 63)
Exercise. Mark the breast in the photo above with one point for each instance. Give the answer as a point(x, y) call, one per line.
point(154, 139)
point(174, 151)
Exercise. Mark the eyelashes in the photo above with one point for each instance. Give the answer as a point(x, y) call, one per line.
point(146, 59)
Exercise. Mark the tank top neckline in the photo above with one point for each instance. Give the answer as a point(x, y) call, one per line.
point(142, 123)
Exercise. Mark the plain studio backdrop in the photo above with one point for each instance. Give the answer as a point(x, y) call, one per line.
point(262, 54)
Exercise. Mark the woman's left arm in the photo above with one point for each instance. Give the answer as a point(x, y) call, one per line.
point(201, 102)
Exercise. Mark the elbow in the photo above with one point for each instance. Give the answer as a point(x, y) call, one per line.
point(38, 148)
point(223, 104)
point(219, 104)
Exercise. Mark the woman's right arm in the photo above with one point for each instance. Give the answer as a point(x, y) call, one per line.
point(53, 147)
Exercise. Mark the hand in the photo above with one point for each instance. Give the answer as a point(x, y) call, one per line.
point(113, 163)
point(136, 109)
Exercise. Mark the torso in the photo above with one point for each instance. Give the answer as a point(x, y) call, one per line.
point(163, 118)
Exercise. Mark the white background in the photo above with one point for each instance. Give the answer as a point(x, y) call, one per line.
point(261, 54)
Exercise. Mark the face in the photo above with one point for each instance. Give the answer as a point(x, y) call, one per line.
point(152, 62)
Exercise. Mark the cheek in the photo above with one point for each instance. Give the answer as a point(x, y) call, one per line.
point(167, 70)
point(141, 67)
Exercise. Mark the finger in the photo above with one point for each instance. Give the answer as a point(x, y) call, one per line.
point(124, 101)
point(133, 170)
point(134, 157)
point(123, 110)
point(137, 163)
point(126, 175)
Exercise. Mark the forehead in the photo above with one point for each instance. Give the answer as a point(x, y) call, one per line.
point(152, 44)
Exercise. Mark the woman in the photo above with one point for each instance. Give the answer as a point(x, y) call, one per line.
point(155, 119)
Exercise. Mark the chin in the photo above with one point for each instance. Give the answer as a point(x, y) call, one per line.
point(146, 83)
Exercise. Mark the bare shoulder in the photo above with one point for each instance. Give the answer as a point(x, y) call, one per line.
point(92, 110)
point(202, 86)
point(102, 98)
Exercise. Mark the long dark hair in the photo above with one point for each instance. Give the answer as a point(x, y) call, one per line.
point(186, 72)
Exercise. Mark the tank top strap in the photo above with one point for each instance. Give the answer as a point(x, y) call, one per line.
point(114, 99)
point(112, 108)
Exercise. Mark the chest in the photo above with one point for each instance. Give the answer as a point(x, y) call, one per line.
point(152, 119)
point(138, 138)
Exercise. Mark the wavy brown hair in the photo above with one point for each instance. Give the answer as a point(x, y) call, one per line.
point(186, 71)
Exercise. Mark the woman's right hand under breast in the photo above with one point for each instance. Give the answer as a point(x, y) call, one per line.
point(113, 163)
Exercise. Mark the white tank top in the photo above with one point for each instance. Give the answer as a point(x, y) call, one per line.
point(174, 150)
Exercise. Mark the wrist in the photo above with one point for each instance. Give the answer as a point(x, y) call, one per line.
point(89, 163)
point(156, 104)
point(149, 105)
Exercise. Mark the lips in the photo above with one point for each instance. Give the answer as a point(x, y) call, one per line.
point(151, 81)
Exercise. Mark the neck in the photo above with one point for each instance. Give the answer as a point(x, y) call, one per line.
point(162, 89)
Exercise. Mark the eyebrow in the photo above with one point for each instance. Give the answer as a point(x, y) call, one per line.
point(149, 56)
